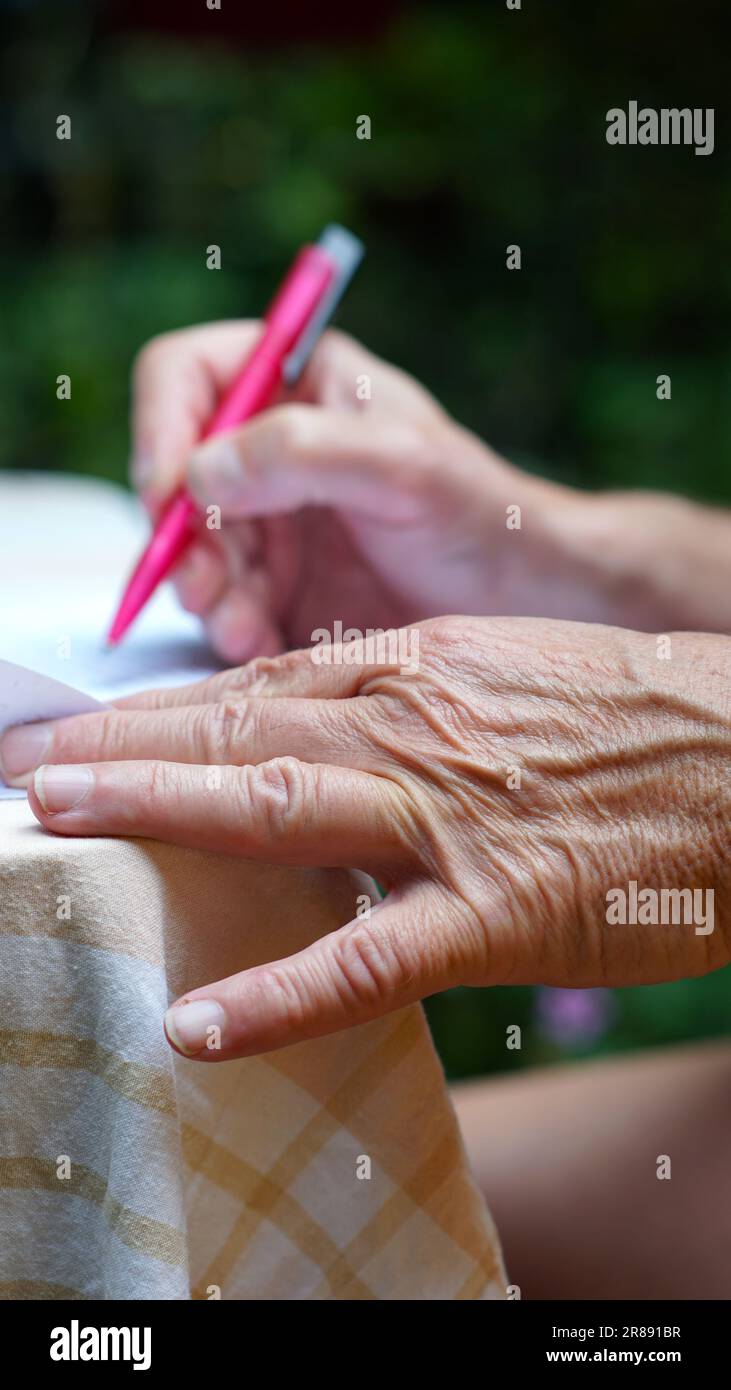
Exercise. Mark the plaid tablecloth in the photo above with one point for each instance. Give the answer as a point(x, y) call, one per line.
point(333, 1169)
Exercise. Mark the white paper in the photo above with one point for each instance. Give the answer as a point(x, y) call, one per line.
point(67, 546)
point(26, 696)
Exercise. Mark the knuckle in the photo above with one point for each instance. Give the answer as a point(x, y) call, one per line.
point(440, 631)
point(274, 794)
point(338, 361)
point(448, 649)
point(257, 675)
point(225, 729)
point(158, 780)
point(370, 966)
point(296, 429)
point(337, 350)
point(108, 740)
point(283, 998)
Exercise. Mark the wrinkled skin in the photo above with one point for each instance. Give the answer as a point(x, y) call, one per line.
point(500, 790)
point(378, 511)
point(407, 775)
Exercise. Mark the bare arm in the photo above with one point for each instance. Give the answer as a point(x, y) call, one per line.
point(645, 560)
point(568, 1160)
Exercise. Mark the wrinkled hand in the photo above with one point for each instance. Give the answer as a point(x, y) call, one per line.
point(357, 498)
point(498, 791)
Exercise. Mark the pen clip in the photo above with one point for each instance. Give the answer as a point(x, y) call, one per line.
point(346, 253)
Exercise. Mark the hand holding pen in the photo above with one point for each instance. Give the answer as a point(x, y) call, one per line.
point(340, 502)
point(295, 319)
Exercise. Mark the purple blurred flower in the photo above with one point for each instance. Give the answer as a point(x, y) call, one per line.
point(574, 1016)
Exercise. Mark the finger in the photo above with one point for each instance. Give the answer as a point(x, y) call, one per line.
point(311, 673)
point(297, 455)
point(177, 381)
point(244, 731)
point(380, 962)
point(200, 578)
point(222, 581)
point(239, 627)
point(283, 811)
point(337, 370)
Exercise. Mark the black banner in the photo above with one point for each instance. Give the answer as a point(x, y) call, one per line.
point(198, 1341)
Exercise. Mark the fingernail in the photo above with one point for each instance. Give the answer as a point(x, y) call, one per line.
point(23, 748)
point(62, 788)
point(215, 472)
point(191, 1027)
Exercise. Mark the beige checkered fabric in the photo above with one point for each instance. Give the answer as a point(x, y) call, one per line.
point(127, 1172)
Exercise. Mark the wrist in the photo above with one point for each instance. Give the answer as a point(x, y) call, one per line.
point(555, 551)
point(644, 560)
point(605, 557)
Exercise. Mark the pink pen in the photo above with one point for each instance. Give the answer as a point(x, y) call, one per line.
point(293, 323)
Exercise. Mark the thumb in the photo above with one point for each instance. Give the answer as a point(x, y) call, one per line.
point(299, 455)
point(377, 963)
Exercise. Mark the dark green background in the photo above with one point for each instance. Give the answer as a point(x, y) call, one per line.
point(487, 129)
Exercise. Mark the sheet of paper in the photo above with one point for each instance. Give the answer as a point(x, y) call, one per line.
point(26, 696)
point(67, 546)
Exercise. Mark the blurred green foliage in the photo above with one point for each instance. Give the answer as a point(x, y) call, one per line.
point(470, 1026)
point(487, 130)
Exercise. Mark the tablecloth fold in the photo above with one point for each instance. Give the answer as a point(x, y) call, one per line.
point(330, 1170)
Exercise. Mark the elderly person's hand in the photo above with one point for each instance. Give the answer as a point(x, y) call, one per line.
point(358, 499)
point(500, 786)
